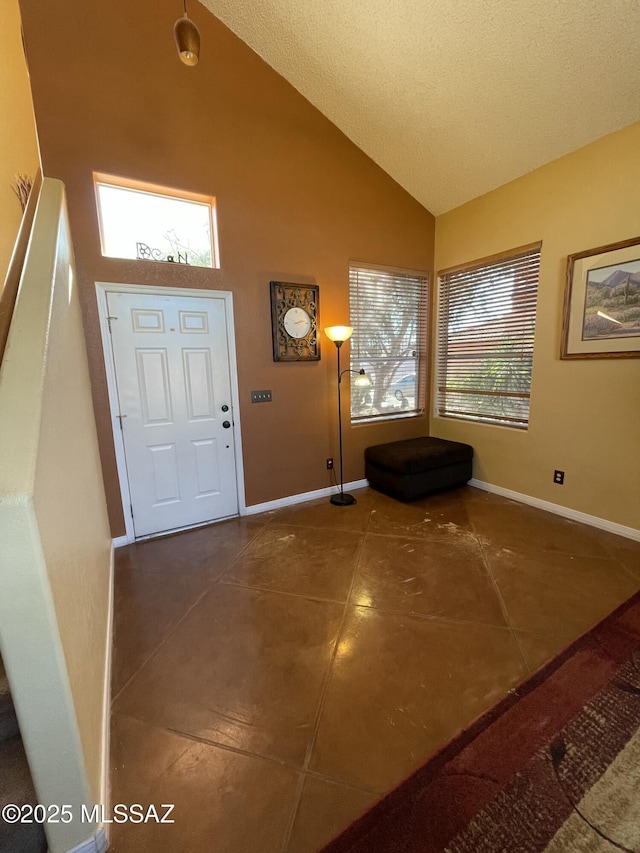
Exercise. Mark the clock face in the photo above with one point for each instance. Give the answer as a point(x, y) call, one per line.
point(297, 322)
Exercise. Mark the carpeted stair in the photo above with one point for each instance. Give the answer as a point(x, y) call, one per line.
point(16, 785)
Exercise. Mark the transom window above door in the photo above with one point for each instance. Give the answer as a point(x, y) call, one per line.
point(151, 223)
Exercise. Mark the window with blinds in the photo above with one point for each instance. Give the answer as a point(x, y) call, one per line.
point(486, 324)
point(388, 309)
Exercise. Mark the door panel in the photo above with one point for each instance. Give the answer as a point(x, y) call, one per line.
point(198, 384)
point(153, 385)
point(165, 473)
point(172, 375)
point(206, 452)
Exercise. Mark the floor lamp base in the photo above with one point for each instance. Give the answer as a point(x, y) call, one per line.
point(342, 500)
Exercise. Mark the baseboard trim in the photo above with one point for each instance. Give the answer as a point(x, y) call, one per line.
point(96, 843)
point(291, 500)
point(105, 782)
point(557, 509)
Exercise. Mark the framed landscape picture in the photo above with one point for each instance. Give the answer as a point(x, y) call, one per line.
point(602, 302)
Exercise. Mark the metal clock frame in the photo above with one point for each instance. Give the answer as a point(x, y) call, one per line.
point(284, 296)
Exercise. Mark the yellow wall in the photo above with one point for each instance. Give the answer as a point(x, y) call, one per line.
point(18, 145)
point(585, 415)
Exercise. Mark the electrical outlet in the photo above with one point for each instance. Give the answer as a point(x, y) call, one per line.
point(558, 477)
point(330, 463)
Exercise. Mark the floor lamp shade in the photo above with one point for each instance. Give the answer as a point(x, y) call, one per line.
point(338, 334)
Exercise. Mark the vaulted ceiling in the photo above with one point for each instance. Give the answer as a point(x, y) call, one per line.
point(454, 97)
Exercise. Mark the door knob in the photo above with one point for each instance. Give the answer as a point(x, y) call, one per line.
point(226, 424)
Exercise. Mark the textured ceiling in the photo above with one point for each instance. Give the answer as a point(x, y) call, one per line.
point(454, 97)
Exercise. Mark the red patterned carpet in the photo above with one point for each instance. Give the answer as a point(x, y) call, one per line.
point(554, 767)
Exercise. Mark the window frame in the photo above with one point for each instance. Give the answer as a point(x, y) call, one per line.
point(357, 360)
point(102, 178)
point(527, 261)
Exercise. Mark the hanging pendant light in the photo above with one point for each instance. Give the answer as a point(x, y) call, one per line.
point(187, 37)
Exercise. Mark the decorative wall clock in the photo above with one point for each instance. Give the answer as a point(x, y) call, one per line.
point(294, 321)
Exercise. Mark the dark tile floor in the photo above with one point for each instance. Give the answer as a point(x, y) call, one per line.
point(274, 675)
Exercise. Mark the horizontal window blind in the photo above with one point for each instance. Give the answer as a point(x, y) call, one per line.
point(486, 325)
point(388, 313)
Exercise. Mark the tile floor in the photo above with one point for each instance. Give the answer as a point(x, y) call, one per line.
point(274, 675)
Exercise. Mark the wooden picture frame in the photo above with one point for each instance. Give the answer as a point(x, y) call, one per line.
point(294, 321)
point(602, 302)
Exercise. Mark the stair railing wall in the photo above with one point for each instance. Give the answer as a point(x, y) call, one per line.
point(56, 559)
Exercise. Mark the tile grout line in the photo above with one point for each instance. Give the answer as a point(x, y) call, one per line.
point(314, 774)
point(434, 617)
point(214, 744)
point(327, 678)
point(608, 555)
point(240, 554)
point(274, 762)
point(159, 729)
point(442, 539)
point(159, 646)
point(178, 623)
point(218, 580)
point(430, 616)
point(485, 559)
point(293, 812)
point(239, 585)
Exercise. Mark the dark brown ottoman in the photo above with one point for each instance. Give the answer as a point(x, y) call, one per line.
point(417, 466)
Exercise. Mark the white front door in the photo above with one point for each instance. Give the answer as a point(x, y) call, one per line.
point(171, 363)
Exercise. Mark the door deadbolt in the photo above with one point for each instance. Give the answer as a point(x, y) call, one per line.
point(225, 408)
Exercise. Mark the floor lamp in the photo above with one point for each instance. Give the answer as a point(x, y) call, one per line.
point(340, 334)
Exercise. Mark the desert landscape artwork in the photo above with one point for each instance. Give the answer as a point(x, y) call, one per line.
point(612, 302)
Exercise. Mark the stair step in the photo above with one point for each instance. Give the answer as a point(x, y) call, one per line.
point(8, 719)
point(16, 787)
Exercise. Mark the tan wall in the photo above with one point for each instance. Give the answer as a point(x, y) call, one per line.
point(18, 144)
point(585, 415)
point(55, 560)
point(296, 200)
